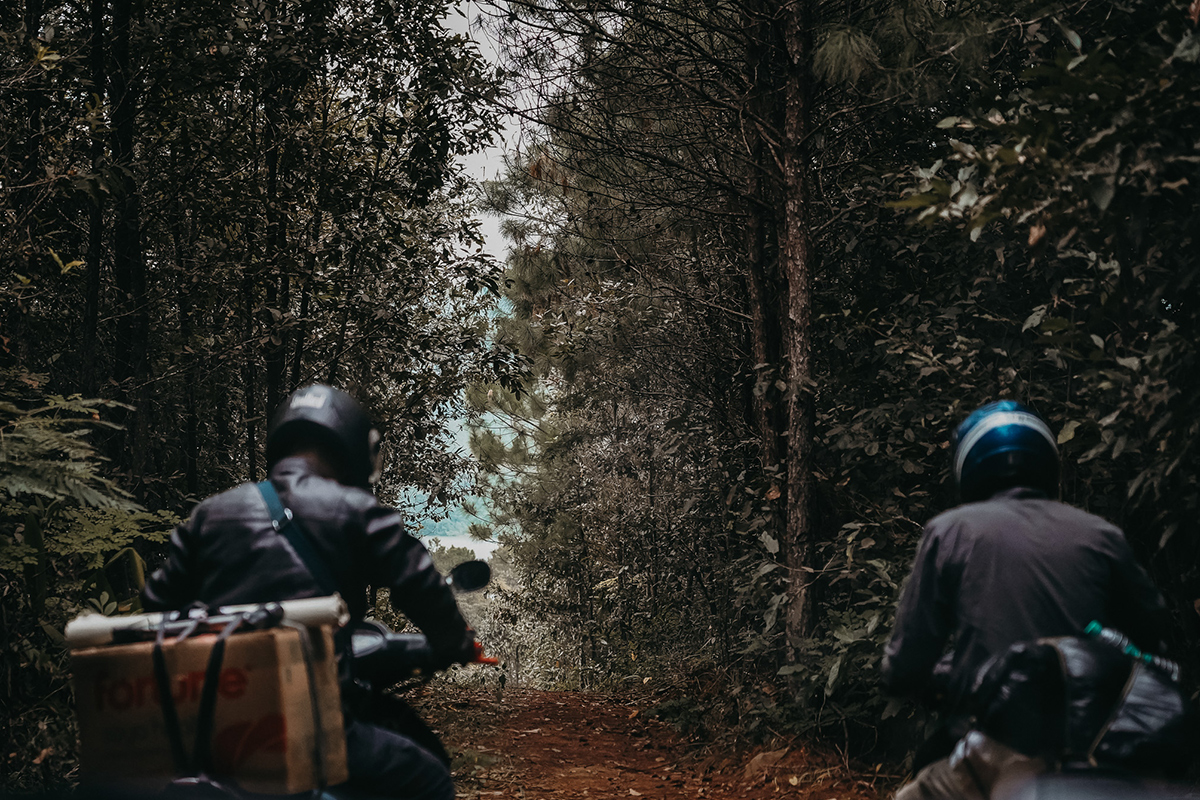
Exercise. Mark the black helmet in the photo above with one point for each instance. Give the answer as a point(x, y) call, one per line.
point(1004, 444)
point(328, 418)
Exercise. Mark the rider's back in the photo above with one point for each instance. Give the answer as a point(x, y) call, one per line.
point(1033, 567)
point(1015, 567)
point(229, 552)
point(323, 455)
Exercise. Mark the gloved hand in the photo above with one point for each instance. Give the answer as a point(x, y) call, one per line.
point(448, 653)
point(933, 693)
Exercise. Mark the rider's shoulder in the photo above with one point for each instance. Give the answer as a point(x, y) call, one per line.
point(358, 499)
point(1016, 508)
point(231, 501)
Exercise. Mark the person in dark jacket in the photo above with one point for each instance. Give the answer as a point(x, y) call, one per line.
point(322, 457)
point(1012, 564)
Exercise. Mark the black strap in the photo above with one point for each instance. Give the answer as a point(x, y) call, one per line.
point(200, 764)
point(281, 518)
point(206, 715)
point(306, 648)
point(167, 700)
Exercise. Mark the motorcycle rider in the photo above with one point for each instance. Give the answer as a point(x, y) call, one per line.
point(322, 457)
point(1012, 564)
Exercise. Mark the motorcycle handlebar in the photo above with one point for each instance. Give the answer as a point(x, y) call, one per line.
point(381, 656)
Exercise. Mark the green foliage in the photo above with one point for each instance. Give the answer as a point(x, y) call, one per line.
point(632, 481)
point(280, 194)
point(1090, 164)
point(447, 558)
point(44, 452)
point(69, 540)
point(201, 208)
point(640, 480)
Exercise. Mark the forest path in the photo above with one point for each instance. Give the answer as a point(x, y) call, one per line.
point(533, 745)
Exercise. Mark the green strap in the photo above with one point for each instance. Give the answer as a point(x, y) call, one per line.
point(281, 518)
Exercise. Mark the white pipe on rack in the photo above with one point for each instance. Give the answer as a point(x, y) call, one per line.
point(94, 630)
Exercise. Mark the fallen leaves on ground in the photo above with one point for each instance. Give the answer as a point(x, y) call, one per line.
point(533, 745)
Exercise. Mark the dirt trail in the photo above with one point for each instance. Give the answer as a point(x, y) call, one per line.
point(531, 745)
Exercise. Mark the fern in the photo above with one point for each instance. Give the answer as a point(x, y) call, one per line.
point(44, 450)
point(62, 523)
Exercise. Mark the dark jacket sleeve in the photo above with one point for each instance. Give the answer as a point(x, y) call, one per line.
point(174, 584)
point(924, 617)
point(1138, 608)
point(417, 589)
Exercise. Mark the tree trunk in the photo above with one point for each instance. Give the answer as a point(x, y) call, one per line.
point(765, 348)
point(250, 379)
point(129, 263)
point(278, 291)
point(298, 339)
point(336, 358)
point(796, 261)
point(33, 175)
point(310, 271)
point(765, 324)
point(95, 252)
point(191, 443)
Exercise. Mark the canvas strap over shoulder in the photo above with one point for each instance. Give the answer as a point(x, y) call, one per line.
point(281, 518)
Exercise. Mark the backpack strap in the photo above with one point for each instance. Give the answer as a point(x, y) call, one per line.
point(281, 518)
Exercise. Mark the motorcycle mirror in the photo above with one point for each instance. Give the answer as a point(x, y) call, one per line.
point(469, 576)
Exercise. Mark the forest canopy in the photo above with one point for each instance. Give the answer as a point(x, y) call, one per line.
point(763, 257)
point(202, 207)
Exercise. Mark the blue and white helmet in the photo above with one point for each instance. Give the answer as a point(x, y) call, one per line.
point(1001, 445)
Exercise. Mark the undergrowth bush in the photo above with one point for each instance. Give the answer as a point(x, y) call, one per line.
point(70, 540)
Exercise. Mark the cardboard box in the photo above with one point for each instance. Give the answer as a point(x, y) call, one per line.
point(263, 726)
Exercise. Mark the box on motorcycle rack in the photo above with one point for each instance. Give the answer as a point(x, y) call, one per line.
point(263, 725)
